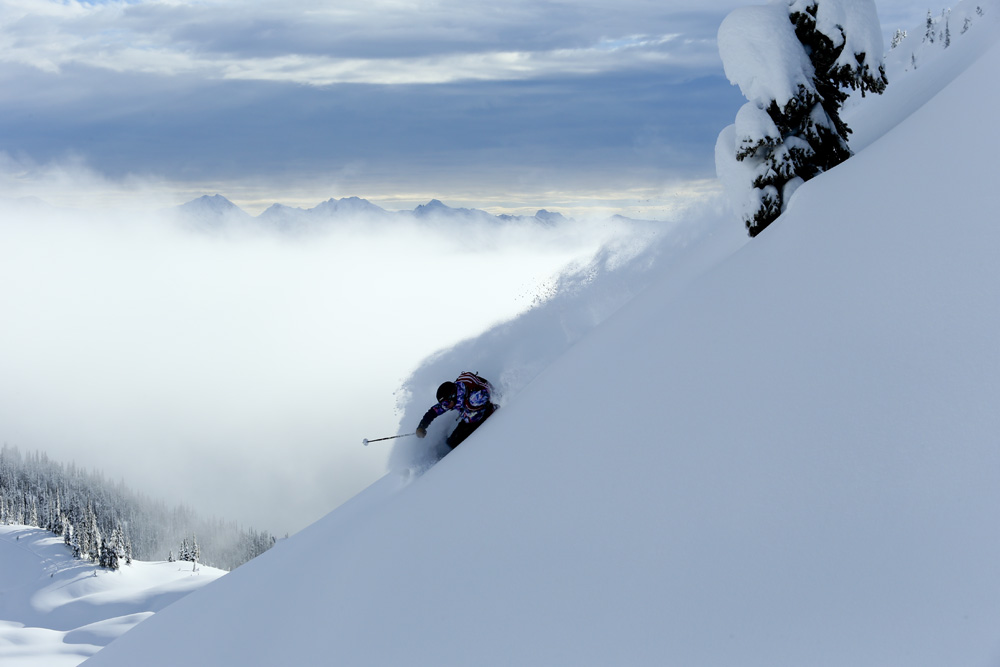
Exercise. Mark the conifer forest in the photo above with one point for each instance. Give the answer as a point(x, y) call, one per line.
point(110, 524)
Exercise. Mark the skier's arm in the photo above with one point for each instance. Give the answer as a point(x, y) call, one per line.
point(436, 411)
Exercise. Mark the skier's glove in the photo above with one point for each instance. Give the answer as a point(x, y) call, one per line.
point(421, 432)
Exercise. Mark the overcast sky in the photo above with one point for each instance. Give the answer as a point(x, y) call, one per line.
point(505, 106)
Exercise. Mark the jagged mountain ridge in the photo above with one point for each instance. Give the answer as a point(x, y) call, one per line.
point(216, 210)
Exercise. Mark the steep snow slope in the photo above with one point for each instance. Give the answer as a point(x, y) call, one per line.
point(792, 462)
point(918, 68)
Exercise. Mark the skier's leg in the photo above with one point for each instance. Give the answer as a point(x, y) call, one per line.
point(465, 429)
point(461, 432)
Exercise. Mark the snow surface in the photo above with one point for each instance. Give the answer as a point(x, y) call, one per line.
point(789, 458)
point(57, 611)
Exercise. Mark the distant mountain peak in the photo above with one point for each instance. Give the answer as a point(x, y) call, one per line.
point(551, 217)
point(280, 207)
point(212, 212)
point(438, 209)
point(434, 205)
point(214, 201)
point(212, 204)
point(348, 203)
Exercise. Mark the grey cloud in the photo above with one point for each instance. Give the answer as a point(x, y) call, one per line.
point(265, 29)
point(245, 129)
point(627, 107)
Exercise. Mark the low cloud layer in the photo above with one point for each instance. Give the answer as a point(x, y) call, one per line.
point(239, 372)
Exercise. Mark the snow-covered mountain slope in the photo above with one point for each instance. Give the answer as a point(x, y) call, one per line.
point(918, 67)
point(792, 461)
point(56, 611)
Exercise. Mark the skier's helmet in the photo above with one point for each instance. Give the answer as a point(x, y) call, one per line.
point(447, 392)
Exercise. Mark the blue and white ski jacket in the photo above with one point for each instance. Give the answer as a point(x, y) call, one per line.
point(472, 398)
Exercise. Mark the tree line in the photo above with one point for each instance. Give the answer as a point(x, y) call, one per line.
point(109, 523)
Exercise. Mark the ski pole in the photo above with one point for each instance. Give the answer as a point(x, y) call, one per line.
point(391, 437)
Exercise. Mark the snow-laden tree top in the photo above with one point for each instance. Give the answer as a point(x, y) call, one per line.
point(853, 21)
point(763, 56)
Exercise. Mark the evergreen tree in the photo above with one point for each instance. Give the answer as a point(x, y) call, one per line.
point(793, 142)
point(190, 551)
point(109, 557)
point(68, 538)
point(96, 518)
point(75, 545)
point(929, 32)
point(897, 39)
point(94, 552)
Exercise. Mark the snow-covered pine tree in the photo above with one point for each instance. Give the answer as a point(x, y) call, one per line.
point(82, 535)
point(929, 32)
point(195, 554)
point(70, 539)
point(794, 61)
point(55, 514)
point(95, 535)
point(76, 545)
point(116, 544)
point(109, 557)
point(82, 506)
point(190, 551)
point(31, 515)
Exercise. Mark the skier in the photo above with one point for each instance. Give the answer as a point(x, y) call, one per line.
point(470, 394)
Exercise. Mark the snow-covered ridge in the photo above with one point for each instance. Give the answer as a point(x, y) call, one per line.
point(58, 611)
